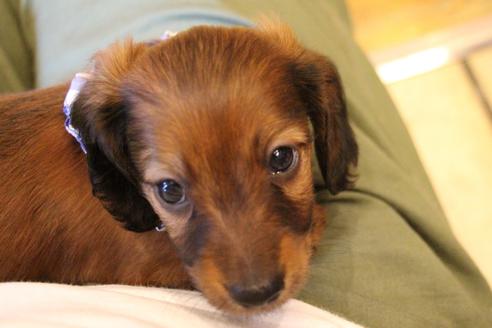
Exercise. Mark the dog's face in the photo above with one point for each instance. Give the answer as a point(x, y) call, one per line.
point(209, 133)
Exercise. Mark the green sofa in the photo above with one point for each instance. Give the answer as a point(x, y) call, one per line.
point(388, 257)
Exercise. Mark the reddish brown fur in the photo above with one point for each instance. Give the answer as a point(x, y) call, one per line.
point(210, 117)
point(52, 228)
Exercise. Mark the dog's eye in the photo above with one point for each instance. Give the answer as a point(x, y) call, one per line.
point(171, 192)
point(282, 159)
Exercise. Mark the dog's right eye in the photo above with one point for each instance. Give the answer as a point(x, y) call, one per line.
point(283, 159)
point(171, 192)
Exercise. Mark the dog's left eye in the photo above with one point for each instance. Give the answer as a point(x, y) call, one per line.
point(282, 159)
point(171, 192)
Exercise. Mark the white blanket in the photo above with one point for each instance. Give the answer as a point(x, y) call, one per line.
point(54, 305)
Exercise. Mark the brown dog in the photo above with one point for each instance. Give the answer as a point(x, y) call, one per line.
point(207, 132)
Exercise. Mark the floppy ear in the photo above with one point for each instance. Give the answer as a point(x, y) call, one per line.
point(321, 90)
point(101, 116)
point(335, 144)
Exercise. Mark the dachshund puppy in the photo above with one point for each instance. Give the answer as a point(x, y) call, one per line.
point(206, 135)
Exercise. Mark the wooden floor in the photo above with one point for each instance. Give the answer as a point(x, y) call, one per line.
point(446, 117)
point(381, 24)
point(453, 135)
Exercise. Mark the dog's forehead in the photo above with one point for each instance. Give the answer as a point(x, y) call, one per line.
point(215, 93)
point(213, 65)
point(218, 137)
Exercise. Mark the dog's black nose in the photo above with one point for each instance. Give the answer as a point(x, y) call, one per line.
point(248, 297)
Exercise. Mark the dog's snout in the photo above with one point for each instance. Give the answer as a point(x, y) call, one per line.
point(249, 297)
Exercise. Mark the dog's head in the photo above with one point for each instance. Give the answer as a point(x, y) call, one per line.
point(209, 133)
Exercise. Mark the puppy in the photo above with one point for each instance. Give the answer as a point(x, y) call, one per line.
point(205, 135)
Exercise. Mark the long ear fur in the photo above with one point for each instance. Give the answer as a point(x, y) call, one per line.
point(101, 116)
point(321, 89)
point(336, 148)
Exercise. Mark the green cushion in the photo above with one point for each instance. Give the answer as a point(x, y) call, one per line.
point(15, 50)
point(388, 257)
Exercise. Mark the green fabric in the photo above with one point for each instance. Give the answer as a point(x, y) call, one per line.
point(15, 51)
point(68, 33)
point(388, 258)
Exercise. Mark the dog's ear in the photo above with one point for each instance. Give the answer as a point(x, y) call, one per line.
point(321, 90)
point(100, 113)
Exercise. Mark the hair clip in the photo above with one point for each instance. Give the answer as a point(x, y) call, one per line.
point(161, 227)
point(76, 86)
